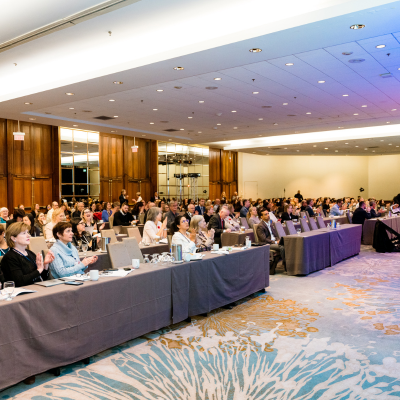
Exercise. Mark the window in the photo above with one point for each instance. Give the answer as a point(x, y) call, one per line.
point(80, 173)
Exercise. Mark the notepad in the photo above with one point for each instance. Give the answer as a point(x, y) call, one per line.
point(17, 291)
point(50, 283)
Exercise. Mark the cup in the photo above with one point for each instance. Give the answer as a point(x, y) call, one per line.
point(94, 275)
point(186, 257)
point(242, 229)
point(135, 263)
point(216, 246)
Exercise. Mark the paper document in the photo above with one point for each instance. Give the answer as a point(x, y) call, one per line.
point(114, 274)
point(16, 292)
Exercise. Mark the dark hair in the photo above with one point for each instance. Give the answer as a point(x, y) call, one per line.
point(2, 229)
point(309, 201)
point(33, 229)
point(339, 201)
point(174, 226)
point(60, 227)
point(261, 210)
point(18, 213)
point(361, 203)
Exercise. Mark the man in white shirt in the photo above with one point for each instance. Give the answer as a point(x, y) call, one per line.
point(338, 209)
point(54, 205)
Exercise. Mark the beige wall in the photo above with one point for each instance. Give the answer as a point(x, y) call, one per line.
point(315, 176)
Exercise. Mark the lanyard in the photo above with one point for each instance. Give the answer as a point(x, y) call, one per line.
point(185, 236)
point(2, 252)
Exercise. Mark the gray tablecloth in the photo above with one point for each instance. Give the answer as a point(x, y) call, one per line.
point(307, 252)
point(236, 238)
point(342, 220)
point(217, 280)
point(369, 227)
point(345, 242)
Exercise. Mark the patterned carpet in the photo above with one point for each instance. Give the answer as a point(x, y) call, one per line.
point(331, 335)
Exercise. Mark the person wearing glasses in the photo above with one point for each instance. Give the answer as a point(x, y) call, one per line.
point(181, 235)
point(81, 235)
point(153, 228)
point(20, 265)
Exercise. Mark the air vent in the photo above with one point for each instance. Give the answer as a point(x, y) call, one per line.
point(103, 118)
point(387, 75)
point(292, 115)
point(177, 87)
point(356, 60)
point(87, 111)
point(277, 148)
point(171, 130)
point(373, 147)
point(266, 106)
point(211, 87)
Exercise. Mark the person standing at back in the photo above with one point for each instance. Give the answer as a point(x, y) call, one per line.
point(299, 196)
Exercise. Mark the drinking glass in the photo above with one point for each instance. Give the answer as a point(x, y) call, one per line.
point(146, 259)
point(9, 289)
point(298, 231)
point(155, 259)
point(84, 248)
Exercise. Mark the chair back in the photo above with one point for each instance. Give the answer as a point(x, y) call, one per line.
point(109, 233)
point(111, 221)
point(304, 225)
point(303, 214)
point(243, 222)
point(38, 245)
point(349, 218)
point(321, 223)
point(255, 226)
point(313, 224)
point(169, 237)
point(290, 227)
point(117, 229)
point(118, 254)
point(141, 218)
point(134, 233)
point(307, 214)
point(133, 248)
point(123, 229)
point(279, 229)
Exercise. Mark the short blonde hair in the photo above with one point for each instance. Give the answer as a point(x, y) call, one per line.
point(194, 222)
point(14, 230)
point(56, 213)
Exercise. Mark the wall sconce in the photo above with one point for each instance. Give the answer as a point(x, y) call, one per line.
point(19, 135)
point(134, 147)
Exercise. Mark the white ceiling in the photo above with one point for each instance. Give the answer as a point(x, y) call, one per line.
point(314, 48)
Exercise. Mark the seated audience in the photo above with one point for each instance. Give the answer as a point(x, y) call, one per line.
point(209, 213)
point(4, 248)
point(17, 217)
point(201, 209)
point(190, 212)
point(58, 216)
point(78, 211)
point(123, 198)
point(309, 208)
point(217, 222)
point(245, 209)
point(20, 265)
point(123, 217)
point(35, 211)
point(252, 216)
point(338, 209)
point(271, 207)
point(4, 215)
point(172, 213)
point(147, 208)
point(217, 204)
point(138, 210)
point(40, 222)
point(81, 235)
point(66, 260)
point(303, 205)
point(288, 213)
point(107, 212)
point(153, 228)
point(374, 213)
point(231, 222)
point(181, 235)
point(361, 213)
point(204, 238)
point(54, 206)
point(87, 217)
point(28, 220)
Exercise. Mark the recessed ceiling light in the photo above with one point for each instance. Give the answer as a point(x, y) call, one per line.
point(179, 68)
point(389, 144)
point(275, 123)
point(155, 109)
point(190, 117)
point(285, 104)
point(256, 92)
point(366, 148)
point(160, 90)
point(388, 122)
point(217, 79)
point(285, 148)
point(201, 101)
point(314, 145)
point(308, 113)
point(380, 46)
point(69, 94)
point(27, 103)
point(32, 119)
point(336, 151)
point(397, 146)
point(118, 82)
point(355, 146)
point(74, 125)
point(111, 100)
point(181, 129)
point(260, 119)
point(357, 26)
point(326, 148)
point(355, 114)
point(364, 106)
point(345, 95)
point(151, 123)
point(394, 109)
point(218, 124)
point(115, 116)
point(256, 50)
point(233, 111)
point(297, 150)
point(72, 108)
point(289, 64)
point(346, 143)
point(235, 127)
point(321, 81)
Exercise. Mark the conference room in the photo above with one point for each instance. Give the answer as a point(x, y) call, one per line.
point(199, 199)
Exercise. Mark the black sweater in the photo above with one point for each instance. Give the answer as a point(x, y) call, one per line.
point(21, 270)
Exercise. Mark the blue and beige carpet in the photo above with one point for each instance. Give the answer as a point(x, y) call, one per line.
point(334, 334)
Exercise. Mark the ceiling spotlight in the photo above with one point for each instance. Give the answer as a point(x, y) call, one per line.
point(308, 113)
point(201, 101)
point(289, 64)
point(314, 145)
point(256, 92)
point(181, 129)
point(111, 100)
point(364, 106)
point(235, 127)
point(355, 114)
point(160, 90)
point(112, 131)
point(346, 143)
point(255, 50)
point(218, 124)
point(394, 109)
point(200, 132)
point(178, 68)
point(357, 26)
point(336, 151)
point(355, 146)
point(326, 148)
point(388, 122)
point(155, 109)
point(260, 119)
point(321, 81)
point(118, 83)
point(285, 148)
point(69, 94)
point(217, 79)
point(285, 104)
point(275, 123)
point(380, 46)
point(373, 151)
point(366, 148)
point(297, 150)
point(32, 119)
point(233, 111)
point(72, 108)
point(190, 117)
point(390, 144)
point(115, 116)
point(75, 125)
point(27, 103)
point(345, 95)
point(151, 123)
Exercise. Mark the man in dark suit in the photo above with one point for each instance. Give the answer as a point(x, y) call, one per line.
point(123, 217)
point(18, 216)
point(299, 196)
point(154, 198)
point(190, 212)
point(374, 213)
point(78, 212)
point(310, 203)
point(266, 235)
point(172, 213)
point(361, 214)
point(201, 209)
point(218, 224)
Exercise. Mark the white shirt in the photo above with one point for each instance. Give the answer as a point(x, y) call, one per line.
point(187, 245)
point(48, 231)
point(49, 215)
point(150, 231)
point(270, 230)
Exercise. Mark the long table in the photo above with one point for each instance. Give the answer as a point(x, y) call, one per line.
point(236, 238)
point(369, 227)
point(59, 325)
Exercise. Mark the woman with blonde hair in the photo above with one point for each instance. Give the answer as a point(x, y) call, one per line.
point(252, 216)
point(57, 216)
point(204, 238)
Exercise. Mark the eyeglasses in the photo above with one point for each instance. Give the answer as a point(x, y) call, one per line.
point(185, 220)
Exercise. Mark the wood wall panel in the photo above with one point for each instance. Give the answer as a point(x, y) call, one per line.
point(3, 148)
point(111, 156)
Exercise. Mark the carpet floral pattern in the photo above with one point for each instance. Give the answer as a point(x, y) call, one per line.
point(334, 334)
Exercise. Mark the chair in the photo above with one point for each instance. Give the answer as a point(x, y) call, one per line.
point(119, 255)
point(117, 229)
point(141, 218)
point(37, 245)
point(308, 215)
point(169, 238)
point(303, 214)
point(304, 225)
point(133, 248)
point(243, 222)
point(290, 227)
point(321, 223)
point(313, 224)
point(349, 218)
point(111, 221)
point(109, 233)
point(279, 230)
point(134, 233)
point(255, 233)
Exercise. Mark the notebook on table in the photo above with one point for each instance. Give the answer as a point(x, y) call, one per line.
point(50, 283)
